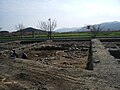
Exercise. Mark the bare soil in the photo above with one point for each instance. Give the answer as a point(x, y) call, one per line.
point(58, 66)
point(45, 68)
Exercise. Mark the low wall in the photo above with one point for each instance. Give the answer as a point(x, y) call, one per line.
point(105, 65)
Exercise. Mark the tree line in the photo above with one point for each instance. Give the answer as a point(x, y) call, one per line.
point(50, 25)
point(47, 26)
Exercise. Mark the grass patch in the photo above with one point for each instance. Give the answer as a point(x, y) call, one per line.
point(80, 35)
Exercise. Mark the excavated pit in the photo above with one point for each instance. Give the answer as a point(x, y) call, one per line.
point(115, 53)
point(114, 49)
point(64, 54)
point(73, 54)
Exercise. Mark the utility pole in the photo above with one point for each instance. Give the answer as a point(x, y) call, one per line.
point(48, 26)
point(50, 32)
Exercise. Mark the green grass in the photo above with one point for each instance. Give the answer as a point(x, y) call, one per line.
point(112, 34)
point(63, 35)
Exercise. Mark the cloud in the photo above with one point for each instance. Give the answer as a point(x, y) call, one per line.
point(66, 12)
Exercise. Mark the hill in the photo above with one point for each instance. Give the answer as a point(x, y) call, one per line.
point(30, 29)
point(111, 26)
point(66, 29)
point(107, 26)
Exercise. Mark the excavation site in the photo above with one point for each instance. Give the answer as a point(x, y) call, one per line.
point(60, 65)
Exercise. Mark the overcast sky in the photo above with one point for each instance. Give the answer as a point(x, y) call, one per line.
point(68, 13)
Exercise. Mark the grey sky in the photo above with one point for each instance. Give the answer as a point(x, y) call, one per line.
point(68, 13)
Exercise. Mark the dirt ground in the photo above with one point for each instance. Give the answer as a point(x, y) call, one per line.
point(45, 67)
point(55, 66)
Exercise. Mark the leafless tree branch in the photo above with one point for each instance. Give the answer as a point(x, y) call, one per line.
point(48, 26)
point(0, 28)
point(95, 29)
point(20, 27)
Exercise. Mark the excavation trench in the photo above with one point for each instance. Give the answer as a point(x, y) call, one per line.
point(115, 53)
point(59, 54)
point(89, 65)
point(113, 48)
point(67, 54)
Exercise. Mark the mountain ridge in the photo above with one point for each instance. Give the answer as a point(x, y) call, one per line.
point(107, 26)
point(31, 29)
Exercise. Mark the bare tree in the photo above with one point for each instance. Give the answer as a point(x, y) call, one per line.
point(48, 26)
point(33, 34)
point(95, 29)
point(0, 28)
point(20, 27)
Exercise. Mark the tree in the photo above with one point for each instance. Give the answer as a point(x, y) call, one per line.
point(48, 26)
point(95, 29)
point(0, 28)
point(33, 34)
point(20, 27)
